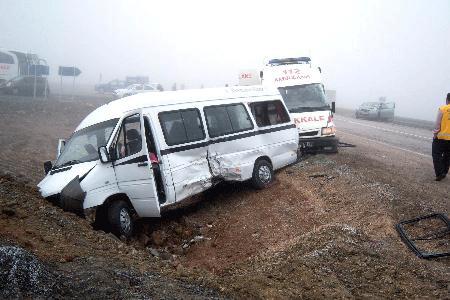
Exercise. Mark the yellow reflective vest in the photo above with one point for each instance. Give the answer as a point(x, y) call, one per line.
point(444, 133)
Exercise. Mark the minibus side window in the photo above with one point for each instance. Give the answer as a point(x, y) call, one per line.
point(269, 113)
point(227, 119)
point(129, 141)
point(181, 126)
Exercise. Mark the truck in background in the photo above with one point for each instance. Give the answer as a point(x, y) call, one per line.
point(16, 63)
point(300, 84)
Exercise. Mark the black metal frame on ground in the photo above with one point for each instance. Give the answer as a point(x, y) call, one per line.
point(346, 145)
point(409, 241)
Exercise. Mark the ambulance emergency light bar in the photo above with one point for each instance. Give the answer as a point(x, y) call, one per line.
point(289, 61)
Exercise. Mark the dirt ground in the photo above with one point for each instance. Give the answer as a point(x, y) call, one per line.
point(324, 229)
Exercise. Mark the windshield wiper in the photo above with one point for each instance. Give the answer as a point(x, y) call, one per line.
point(68, 163)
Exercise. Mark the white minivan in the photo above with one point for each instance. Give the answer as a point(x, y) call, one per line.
point(135, 156)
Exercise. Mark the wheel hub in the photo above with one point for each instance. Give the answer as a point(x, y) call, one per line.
point(264, 174)
point(125, 220)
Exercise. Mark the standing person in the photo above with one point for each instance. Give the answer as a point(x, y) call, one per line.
point(441, 141)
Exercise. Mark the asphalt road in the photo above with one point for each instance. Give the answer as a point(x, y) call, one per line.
point(415, 141)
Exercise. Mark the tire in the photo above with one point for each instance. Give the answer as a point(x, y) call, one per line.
point(262, 175)
point(101, 219)
point(120, 219)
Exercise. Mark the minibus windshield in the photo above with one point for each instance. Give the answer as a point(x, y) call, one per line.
point(302, 98)
point(83, 145)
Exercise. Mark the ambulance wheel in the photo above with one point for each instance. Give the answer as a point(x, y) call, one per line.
point(262, 174)
point(120, 219)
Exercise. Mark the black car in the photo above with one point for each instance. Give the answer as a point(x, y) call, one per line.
point(24, 85)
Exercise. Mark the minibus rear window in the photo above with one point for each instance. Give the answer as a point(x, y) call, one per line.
point(181, 126)
point(269, 113)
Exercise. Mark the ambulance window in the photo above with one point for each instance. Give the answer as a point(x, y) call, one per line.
point(181, 126)
point(129, 141)
point(227, 119)
point(269, 113)
point(6, 58)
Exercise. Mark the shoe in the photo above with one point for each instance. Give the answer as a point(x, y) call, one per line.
point(440, 177)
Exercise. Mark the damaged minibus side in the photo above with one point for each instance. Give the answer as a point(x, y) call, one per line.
point(140, 154)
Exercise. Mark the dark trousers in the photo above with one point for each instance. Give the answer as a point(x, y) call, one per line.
point(441, 156)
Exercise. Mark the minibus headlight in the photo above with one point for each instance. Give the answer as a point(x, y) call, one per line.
point(328, 130)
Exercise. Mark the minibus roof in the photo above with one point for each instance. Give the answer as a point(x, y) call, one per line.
point(117, 108)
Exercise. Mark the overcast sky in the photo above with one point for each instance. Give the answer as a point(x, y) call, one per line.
point(367, 49)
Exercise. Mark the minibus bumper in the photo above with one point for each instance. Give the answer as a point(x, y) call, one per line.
point(319, 144)
point(72, 197)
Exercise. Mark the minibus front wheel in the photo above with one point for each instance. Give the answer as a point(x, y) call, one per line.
point(120, 218)
point(262, 174)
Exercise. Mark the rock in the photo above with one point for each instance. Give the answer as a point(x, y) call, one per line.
point(158, 237)
point(22, 275)
point(113, 237)
point(154, 252)
point(199, 238)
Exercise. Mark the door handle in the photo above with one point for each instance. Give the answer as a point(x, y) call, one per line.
point(144, 164)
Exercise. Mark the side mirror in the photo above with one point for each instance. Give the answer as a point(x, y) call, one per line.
point(261, 74)
point(103, 154)
point(47, 166)
point(333, 107)
point(61, 145)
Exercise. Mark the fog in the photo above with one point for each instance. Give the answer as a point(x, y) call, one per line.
point(367, 49)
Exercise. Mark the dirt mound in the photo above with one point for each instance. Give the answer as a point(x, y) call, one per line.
point(23, 275)
point(337, 261)
point(83, 261)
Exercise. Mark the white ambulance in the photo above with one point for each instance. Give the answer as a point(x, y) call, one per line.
point(300, 84)
point(139, 154)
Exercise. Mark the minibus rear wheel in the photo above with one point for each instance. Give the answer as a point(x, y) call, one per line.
point(262, 174)
point(120, 219)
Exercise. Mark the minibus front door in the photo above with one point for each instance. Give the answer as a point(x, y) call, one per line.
point(133, 169)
